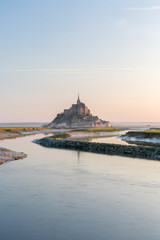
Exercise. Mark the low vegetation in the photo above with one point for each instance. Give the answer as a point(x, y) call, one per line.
point(152, 131)
point(102, 129)
point(147, 131)
point(19, 129)
point(64, 135)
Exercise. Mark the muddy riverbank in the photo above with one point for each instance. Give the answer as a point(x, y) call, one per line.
point(9, 155)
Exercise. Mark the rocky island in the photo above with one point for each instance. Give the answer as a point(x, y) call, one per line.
point(78, 115)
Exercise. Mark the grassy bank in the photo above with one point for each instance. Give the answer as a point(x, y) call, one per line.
point(65, 135)
point(149, 131)
point(19, 129)
point(102, 129)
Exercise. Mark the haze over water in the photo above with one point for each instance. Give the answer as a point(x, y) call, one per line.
point(59, 194)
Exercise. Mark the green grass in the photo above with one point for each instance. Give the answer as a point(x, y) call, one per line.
point(102, 129)
point(19, 129)
point(148, 131)
point(64, 135)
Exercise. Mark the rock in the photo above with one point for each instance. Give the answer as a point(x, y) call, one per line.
point(78, 116)
point(8, 155)
point(103, 148)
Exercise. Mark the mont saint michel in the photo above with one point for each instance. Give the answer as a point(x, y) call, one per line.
point(78, 115)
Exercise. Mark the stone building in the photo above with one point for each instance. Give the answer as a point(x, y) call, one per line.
point(78, 109)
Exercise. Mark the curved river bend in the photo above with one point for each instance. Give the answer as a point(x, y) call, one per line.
point(65, 195)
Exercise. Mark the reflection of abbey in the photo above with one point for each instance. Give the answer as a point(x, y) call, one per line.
point(78, 116)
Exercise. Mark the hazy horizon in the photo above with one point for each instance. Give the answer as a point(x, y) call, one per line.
point(108, 51)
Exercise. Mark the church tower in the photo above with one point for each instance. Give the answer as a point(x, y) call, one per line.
point(78, 100)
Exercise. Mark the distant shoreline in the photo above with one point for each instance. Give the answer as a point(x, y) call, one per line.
point(22, 124)
point(115, 124)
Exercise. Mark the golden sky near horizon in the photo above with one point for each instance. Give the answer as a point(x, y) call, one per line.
point(115, 95)
point(108, 51)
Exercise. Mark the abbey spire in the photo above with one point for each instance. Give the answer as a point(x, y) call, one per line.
point(78, 100)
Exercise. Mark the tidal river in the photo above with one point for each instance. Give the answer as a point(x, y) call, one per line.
point(63, 195)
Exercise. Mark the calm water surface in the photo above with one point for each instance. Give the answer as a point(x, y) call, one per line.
point(114, 140)
point(65, 195)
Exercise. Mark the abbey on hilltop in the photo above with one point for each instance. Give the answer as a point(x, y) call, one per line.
point(78, 116)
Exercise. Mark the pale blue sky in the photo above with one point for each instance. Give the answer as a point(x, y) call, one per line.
point(108, 50)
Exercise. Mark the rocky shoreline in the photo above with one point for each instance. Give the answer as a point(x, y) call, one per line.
point(145, 138)
point(142, 134)
point(152, 153)
point(7, 155)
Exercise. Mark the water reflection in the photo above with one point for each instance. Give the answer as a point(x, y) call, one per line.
point(78, 156)
point(113, 140)
point(63, 195)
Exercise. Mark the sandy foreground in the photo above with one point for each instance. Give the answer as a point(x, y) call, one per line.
point(9, 155)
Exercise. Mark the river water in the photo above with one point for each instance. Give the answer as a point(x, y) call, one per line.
point(64, 195)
